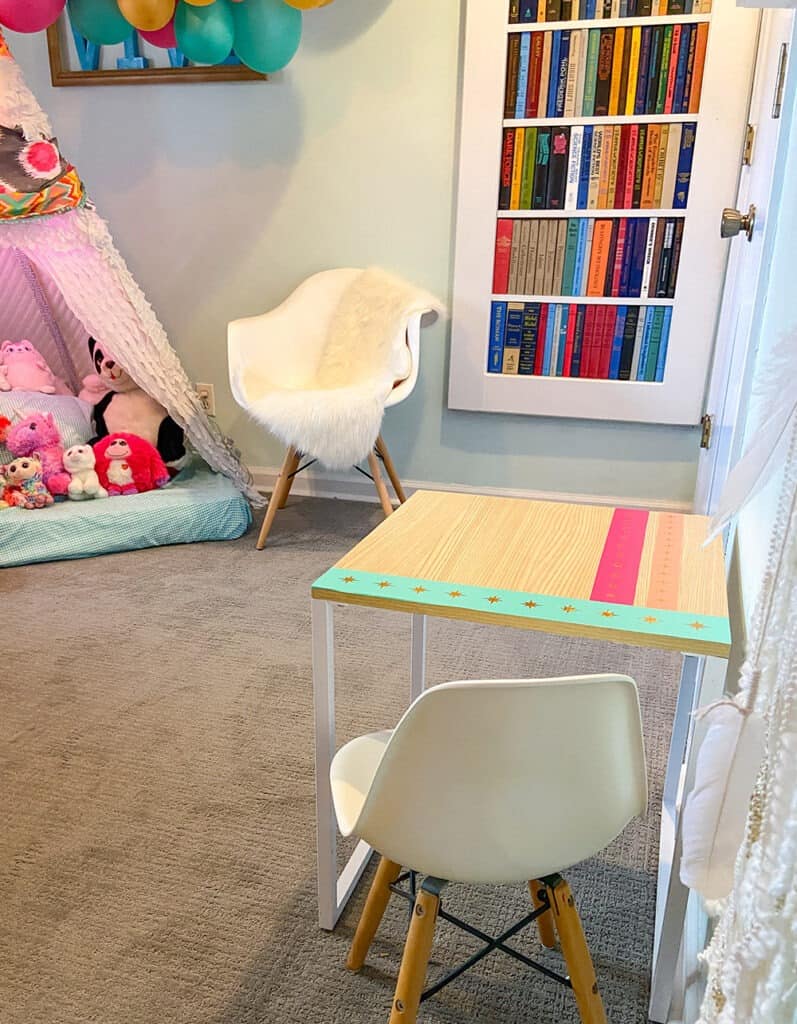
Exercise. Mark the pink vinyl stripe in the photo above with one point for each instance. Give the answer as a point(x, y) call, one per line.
point(618, 568)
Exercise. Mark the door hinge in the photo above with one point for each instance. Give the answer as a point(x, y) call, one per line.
point(706, 422)
point(780, 80)
point(749, 141)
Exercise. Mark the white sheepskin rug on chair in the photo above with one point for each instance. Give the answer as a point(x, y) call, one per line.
point(336, 417)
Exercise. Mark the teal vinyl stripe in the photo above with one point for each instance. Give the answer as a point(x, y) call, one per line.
point(650, 622)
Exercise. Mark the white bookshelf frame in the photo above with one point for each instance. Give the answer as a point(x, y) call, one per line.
point(715, 172)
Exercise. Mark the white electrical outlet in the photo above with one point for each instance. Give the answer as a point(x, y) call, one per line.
point(207, 398)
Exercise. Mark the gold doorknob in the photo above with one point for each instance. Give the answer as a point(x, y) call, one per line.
point(734, 223)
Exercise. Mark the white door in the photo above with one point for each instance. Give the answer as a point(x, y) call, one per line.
point(729, 382)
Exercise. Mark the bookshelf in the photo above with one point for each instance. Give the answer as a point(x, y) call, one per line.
point(583, 287)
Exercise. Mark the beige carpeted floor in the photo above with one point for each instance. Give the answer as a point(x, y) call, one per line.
point(156, 802)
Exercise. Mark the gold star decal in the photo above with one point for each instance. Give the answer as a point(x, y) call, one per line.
point(348, 579)
point(493, 599)
point(697, 625)
point(608, 615)
point(568, 608)
point(650, 618)
point(455, 593)
point(530, 604)
point(419, 590)
point(383, 584)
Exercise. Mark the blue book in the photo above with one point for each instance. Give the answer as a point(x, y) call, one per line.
point(546, 355)
point(591, 5)
point(553, 81)
point(495, 353)
point(628, 255)
point(583, 173)
point(665, 337)
point(642, 71)
point(571, 246)
point(523, 74)
point(560, 355)
point(617, 343)
point(680, 70)
point(527, 11)
point(655, 343)
point(638, 257)
point(578, 342)
point(581, 253)
point(683, 173)
point(564, 60)
point(643, 352)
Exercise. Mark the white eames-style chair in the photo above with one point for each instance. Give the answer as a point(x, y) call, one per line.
point(498, 781)
point(285, 346)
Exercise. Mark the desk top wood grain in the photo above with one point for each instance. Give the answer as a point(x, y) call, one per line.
point(582, 570)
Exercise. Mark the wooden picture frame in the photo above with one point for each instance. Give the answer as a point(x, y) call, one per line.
point(61, 74)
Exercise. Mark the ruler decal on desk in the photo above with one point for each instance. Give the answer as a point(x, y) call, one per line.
point(618, 569)
point(665, 570)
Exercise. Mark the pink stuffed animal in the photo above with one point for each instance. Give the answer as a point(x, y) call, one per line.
point(38, 433)
point(23, 368)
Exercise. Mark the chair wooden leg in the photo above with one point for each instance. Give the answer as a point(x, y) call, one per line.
point(544, 921)
point(278, 495)
point(576, 953)
point(417, 950)
point(373, 911)
point(379, 484)
point(291, 478)
point(390, 468)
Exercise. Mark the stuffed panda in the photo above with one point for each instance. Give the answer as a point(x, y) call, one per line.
point(124, 407)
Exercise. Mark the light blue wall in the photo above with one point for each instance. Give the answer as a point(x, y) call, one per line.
point(222, 198)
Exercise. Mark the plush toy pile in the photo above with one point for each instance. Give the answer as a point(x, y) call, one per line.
point(137, 446)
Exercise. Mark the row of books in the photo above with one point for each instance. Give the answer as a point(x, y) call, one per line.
point(597, 167)
point(599, 72)
point(622, 257)
point(557, 340)
point(522, 11)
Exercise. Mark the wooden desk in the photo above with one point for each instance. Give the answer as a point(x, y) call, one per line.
point(623, 575)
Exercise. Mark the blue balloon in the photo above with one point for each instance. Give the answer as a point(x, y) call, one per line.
point(100, 21)
point(205, 34)
point(267, 33)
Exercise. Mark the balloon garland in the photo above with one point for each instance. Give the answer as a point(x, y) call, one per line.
point(264, 34)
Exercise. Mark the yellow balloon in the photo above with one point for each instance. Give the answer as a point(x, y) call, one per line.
point(307, 5)
point(147, 15)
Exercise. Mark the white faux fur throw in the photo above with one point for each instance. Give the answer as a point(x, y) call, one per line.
point(337, 416)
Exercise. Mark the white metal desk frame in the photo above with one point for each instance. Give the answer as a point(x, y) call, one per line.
point(671, 896)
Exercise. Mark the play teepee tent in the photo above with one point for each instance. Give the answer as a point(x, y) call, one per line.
point(62, 279)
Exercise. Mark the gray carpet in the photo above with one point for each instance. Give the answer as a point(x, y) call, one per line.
point(156, 805)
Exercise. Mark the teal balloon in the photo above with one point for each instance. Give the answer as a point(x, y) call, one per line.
point(267, 33)
point(205, 34)
point(100, 21)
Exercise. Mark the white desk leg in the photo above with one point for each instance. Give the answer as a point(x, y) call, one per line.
point(333, 892)
point(418, 659)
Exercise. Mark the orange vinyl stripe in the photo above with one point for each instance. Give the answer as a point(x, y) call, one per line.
point(665, 570)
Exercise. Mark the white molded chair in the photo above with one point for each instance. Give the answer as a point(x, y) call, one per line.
point(501, 781)
point(256, 348)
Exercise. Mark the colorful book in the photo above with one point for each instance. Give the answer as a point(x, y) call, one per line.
point(514, 261)
point(630, 166)
point(628, 255)
point(551, 331)
point(553, 81)
point(522, 230)
point(513, 337)
point(495, 351)
point(545, 76)
point(512, 68)
point(700, 59)
point(639, 167)
point(591, 73)
point(640, 331)
point(683, 173)
point(649, 165)
point(581, 255)
point(595, 166)
point(617, 71)
point(654, 68)
point(573, 167)
point(599, 257)
point(657, 322)
point(561, 348)
point(661, 158)
point(672, 68)
point(676, 258)
point(559, 258)
point(507, 164)
point(649, 247)
point(604, 72)
point(633, 69)
point(661, 362)
point(573, 61)
point(627, 348)
point(531, 262)
point(666, 49)
point(571, 248)
point(680, 71)
point(503, 247)
point(690, 68)
point(578, 341)
point(542, 332)
point(671, 165)
point(562, 72)
point(535, 71)
point(540, 185)
point(646, 335)
point(583, 175)
point(619, 256)
point(557, 171)
point(528, 342)
point(527, 174)
point(523, 74)
point(642, 72)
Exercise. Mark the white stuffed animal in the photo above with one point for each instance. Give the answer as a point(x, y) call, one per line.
point(79, 462)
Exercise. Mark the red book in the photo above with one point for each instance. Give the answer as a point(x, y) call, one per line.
point(619, 253)
point(622, 163)
point(630, 167)
point(571, 333)
point(672, 70)
point(589, 338)
point(607, 337)
point(541, 329)
point(535, 73)
point(597, 341)
point(503, 250)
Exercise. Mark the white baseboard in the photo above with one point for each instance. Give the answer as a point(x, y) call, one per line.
point(352, 486)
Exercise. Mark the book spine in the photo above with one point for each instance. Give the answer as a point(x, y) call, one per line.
point(540, 187)
point(666, 49)
point(572, 317)
point(523, 256)
point(588, 341)
point(604, 76)
point(658, 245)
point(503, 249)
point(507, 163)
point(606, 167)
point(514, 261)
point(523, 74)
point(557, 172)
point(581, 251)
point(584, 168)
point(650, 163)
point(661, 158)
point(609, 276)
point(573, 61)
point(640, 331)
point(671, 165)
point(654, 66)
point(553, 10)
point(531, 263)
point(630, 166)
point(571, 248)
point(617, 71)
point(690, 68)
point(655, 343)
point(599, 257)
point(642, 73)
point(672, 68)
point(542, 251)
point(578, 341)
point(528, 11)
point(517, 168)
point(661, 362)
point(514, 12)
point(591, 73)
point(559, 261)
point(628, 255)
point(573, 167)
point(639, 167)
point(614, 165)
point(495, 352)
point(638, 258)
point(697, 77)
point(553, 80)
point(680, 71)
point(567, 10)
point(527, 174)
point(528, 342)
point(545, 75)
point(513, 337)
point(581, 69)
point(683, 173)
point(550, 258)
point(676, 258)
point(619, 255)
point(613, 368)
point(665, 261)
point(535, 71)
point(633, 70)
point(540, 10)
point(649, 247)
point(542, 331)
point(559, 370)
point(512, 67)
point(627, 350)
point(643, 352)
point(549, 340)
point(595, 166)
point(562, 72)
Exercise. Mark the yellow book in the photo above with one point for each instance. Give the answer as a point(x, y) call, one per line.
point(595, 167)
point(606, 163)
point(660, 165)
point(617, 70)
point(541, 8)
point(517, 169)
point(614, 160)
point(649, 166)
point(633, 69)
